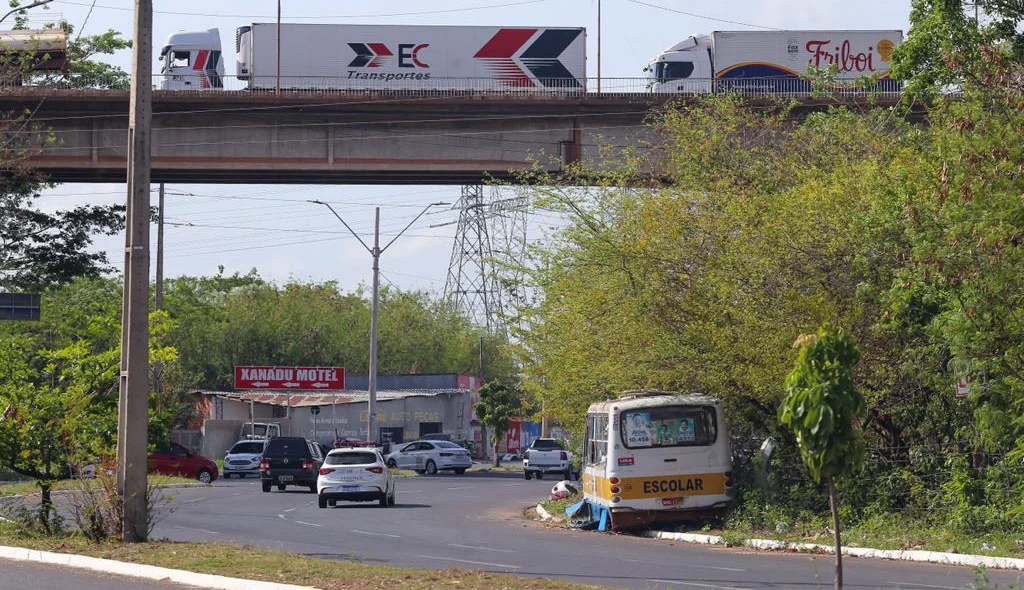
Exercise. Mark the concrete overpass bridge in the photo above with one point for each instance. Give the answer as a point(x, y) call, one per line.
point(324, 137)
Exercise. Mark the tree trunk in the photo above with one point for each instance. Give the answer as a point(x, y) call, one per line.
point(45, 505)
point(834, 504)
point(494, 447)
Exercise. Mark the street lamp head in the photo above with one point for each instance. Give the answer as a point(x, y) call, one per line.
point(20, 8)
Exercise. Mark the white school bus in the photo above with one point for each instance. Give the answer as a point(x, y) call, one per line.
point(657, 456)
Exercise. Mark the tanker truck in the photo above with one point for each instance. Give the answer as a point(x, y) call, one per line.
point(316, 56)
point(771, 61)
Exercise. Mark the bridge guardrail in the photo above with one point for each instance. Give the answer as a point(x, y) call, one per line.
point(752, 87)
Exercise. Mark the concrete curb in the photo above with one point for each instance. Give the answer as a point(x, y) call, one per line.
point(1008, 563)
point(543, 514)
point(137, 570)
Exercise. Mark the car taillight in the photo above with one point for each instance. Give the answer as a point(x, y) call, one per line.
point(526, 455)
point(264, 465)
point(326, 470)
point(446, 454)
point(565, 456)
point(307, 465)
point(375, 469)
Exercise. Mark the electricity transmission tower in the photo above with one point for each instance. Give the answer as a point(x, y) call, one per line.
point(484, 275)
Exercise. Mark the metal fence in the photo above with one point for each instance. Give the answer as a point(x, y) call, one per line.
point(435, 86)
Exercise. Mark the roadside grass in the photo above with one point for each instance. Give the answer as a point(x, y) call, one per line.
point(237, 561)
point(486, 467)
point(30, 487)
point(890, 531)
point(557, 507)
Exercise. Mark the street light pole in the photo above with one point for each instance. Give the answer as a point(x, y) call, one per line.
point(277, 83)
point(373, 327)
point(19, 9)
point(375, 252)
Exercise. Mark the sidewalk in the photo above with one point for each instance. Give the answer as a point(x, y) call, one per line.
point(74, 566)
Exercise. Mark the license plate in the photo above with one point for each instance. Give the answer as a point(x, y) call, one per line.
point(284, 478)
point(350, 488)
point(671, 501)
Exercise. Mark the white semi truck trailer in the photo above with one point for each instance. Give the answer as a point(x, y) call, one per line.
point(358, 57)
point(771, 61)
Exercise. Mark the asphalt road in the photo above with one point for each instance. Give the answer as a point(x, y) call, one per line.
point(37, 576)
point(474, 521)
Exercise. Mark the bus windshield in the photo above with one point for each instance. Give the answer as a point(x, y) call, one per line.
point(669, 426)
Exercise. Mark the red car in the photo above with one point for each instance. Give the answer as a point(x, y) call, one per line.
point(175, 459)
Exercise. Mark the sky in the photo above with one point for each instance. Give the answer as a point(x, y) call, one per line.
point(284, 237)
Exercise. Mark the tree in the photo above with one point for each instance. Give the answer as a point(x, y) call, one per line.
point(41, 249)
point(497, 405)
point(820, 408)
point(948, 39)
point(51, 421)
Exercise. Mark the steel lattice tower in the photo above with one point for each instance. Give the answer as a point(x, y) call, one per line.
point(484, 275)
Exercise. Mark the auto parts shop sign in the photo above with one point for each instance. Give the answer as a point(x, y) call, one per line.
point(297, 378)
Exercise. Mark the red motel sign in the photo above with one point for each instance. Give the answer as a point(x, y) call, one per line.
point(295, 378)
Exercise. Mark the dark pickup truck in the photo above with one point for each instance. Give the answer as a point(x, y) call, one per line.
point(290, 461)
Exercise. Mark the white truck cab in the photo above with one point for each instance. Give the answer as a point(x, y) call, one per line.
point(192, 61)
point(684, 67)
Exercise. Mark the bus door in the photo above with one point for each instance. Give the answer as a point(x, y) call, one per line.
point(595, 457)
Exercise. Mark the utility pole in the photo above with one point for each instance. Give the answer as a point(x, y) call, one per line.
point(277, 83)
point(160, 253)
point(158, 368)
point(375, 252)
point(134, 384)
point(599, 45)
point(370, 433)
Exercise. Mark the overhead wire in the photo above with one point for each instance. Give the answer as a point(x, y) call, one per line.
point(318, 17)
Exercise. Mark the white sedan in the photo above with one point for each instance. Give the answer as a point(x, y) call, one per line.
point(355, 475)
point(431, 456)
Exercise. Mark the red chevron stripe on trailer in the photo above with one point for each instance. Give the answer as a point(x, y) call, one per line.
point(200, 67)
point(498, 52)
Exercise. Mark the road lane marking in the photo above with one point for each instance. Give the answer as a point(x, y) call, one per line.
point(922, 585)
point(290, 509)
point(463, 488)
point(502, 565)
point(189, 528)
point(707, 567)
point(697, 585)
point(307, 523)
point(200, 499)
point(375, 534)
point(481, 548)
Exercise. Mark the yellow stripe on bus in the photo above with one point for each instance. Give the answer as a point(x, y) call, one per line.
point(664, 486)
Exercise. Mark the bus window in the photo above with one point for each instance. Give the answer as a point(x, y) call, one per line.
point(669, 426)
point(596, 439)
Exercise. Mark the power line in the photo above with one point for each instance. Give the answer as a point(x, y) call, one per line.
point(703, 16)
point(318, 17)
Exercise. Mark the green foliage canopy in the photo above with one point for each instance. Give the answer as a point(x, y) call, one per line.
point(822, 404)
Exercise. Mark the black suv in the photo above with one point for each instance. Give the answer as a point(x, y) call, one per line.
point(290, 461)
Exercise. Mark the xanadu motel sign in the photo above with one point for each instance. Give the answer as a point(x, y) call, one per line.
point(297, 378)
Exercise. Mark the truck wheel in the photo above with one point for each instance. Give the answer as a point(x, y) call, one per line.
point(280, 487)
point(539, 475)
point(526, 474)
point(266, 486)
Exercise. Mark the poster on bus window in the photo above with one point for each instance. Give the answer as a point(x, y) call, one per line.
point(639, 431)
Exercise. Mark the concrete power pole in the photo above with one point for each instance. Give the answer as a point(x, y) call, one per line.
point(372, 389)
point(160, 253)
point(134, 384)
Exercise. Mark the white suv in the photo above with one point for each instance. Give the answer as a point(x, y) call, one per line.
point(355, 475)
